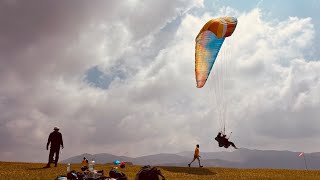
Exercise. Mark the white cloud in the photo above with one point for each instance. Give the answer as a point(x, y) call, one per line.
point(273, 91)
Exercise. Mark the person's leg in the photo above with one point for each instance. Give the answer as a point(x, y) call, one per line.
point(199, 162)
point(194, 158)
point(51, 153)
point(232, 144)
point(57, 151)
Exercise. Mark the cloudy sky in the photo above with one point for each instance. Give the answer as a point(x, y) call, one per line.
point(117, 76)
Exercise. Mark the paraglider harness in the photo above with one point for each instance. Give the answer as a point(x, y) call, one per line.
point(222, 140)
point(149, 173)
point(113, 173)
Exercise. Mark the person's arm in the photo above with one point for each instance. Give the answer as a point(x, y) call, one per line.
point(61, 141)
point(49, 140)
point(160, 174)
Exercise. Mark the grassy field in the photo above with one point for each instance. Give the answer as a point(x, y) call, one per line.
point(17, 171)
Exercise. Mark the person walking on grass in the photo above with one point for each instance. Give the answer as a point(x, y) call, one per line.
point(55, 139)
point(196, 156)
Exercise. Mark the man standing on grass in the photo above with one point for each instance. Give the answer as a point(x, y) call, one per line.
point(55, 138)
point(196, 156)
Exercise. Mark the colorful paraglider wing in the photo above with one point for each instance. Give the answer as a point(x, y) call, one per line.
point(208, 44)
point(116, 162)
point(207, 49)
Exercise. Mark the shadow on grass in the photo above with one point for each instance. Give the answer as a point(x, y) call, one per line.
point(197, 171)
point(37, 168)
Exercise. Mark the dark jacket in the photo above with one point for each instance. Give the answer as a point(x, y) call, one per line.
point(55, 138)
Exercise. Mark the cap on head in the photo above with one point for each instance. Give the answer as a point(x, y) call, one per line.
point(56, 128)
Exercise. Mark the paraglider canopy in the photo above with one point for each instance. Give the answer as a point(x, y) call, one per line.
point(116, 162)
point(208, 44)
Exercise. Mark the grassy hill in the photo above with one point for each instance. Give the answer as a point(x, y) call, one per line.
point(242, 158)
point(18, 170)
